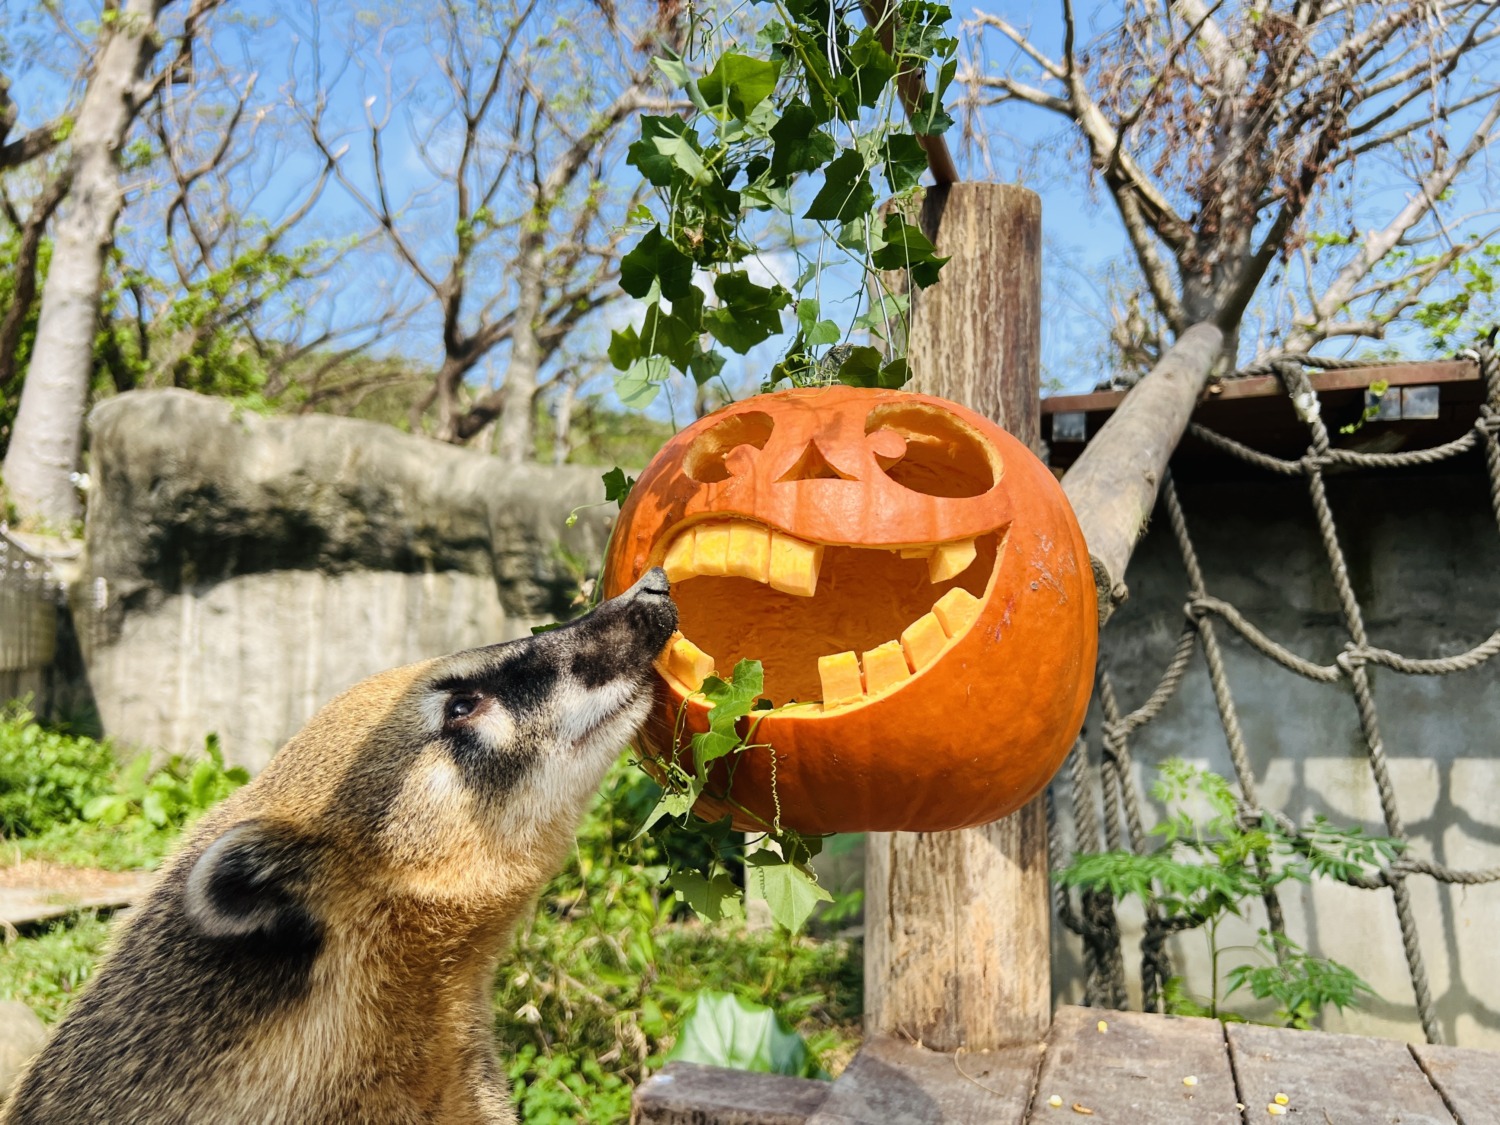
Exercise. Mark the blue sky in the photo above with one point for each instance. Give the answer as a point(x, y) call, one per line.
point(1082, 235)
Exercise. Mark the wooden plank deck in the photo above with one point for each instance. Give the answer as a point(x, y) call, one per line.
point(1136, 1068)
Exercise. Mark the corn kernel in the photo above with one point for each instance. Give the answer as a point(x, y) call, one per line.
point(1055, 1102)
point(1282, 1099)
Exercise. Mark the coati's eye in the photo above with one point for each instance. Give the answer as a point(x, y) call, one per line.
point(461, 706)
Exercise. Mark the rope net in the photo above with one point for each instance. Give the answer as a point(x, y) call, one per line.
point(1107, 803)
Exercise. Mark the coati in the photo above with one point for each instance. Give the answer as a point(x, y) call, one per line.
point(322, 947)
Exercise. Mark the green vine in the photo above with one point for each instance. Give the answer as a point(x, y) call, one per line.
point(795, 135)
point(792, 137)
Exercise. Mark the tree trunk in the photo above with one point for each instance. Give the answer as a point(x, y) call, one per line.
point(957, 938)
point(516, 443)
point(48, 439)
point(562, 424)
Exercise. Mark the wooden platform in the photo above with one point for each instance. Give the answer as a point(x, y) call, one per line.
point(1129, 1069)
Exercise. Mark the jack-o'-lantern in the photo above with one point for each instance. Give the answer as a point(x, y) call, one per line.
point(912, 580)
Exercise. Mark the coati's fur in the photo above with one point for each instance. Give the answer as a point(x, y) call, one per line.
point(321, 948)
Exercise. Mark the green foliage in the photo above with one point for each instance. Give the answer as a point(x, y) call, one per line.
point(172, 795)
point(603, 976)
point(66, 798)
point(725, 1030)
point(1470, 309)
point(782, 870)
point(47, 777)
point(46, 971)
point(814, 109)
point(1212, 862)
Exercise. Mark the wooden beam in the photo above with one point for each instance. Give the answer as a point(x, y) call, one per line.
point(895, 1083)
point(1327, 1077)
point(1127, 1066)
point(1113, 484)
point(1268, 386)
point(957, 924)
point(683, 1093)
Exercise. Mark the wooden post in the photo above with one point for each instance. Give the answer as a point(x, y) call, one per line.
point(957, 924)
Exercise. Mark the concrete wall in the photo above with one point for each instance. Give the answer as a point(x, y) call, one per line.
point(1424, 555)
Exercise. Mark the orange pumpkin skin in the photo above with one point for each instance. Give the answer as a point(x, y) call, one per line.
point(968, 738)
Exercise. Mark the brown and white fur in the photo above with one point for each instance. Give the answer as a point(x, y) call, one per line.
point(322, 947)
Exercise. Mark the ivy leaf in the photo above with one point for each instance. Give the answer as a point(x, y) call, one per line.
point(750, 313)
point(624, 347)
point(661, 168)
point(791, 893)
point(705, 365)
point(734, 698)
point(739, 82)
point(929, 118)
point(799, 146)
point(873, 67)
point(710, 899)
point(673, 802)
point(655, 258)
point(860, 367)
point(617, 486)
point(905, 161)
point(815, 332)
point(669, 335)
point(846, 190)
point(906, 247)
point(638, 385)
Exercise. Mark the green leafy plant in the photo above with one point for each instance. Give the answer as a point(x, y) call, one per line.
point(172, 795)
point(1215, 859)
point(725, 1030)
point(47, 776)
point(812, 109)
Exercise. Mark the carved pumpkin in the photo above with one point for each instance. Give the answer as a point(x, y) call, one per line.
point(907, 572)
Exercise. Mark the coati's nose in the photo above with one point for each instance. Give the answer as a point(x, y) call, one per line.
point(654, 581)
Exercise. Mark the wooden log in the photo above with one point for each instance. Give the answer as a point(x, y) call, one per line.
point(684, 1093)
point(957, 924)
point(1114, 482)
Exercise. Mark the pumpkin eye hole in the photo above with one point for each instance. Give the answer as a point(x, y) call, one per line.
point(706, 459)
point(943, 456)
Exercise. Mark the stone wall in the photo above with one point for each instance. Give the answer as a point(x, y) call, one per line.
point(241, 570)
point(1425, 560)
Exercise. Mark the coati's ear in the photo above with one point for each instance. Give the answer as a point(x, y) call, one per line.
point(249, 881)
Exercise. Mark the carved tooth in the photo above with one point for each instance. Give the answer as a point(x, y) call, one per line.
point(686, 662)
point(885, 668)
point(922, 641)
point(950, 560)
point(794, 565)
point(956, 610)
point(916, 552)
point(679, 561)
point(711, 548)
point(841, 680)
point(750, 550)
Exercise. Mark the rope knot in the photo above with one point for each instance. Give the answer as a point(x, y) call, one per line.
point(1354, 656)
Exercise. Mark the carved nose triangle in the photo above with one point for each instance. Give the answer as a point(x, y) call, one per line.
point(812, 465)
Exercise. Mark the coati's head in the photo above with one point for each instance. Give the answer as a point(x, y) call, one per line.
point(447, 788)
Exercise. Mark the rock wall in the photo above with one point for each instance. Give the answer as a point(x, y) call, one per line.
point(241, 570)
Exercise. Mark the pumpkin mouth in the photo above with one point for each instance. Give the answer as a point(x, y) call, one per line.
point(834, 625)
